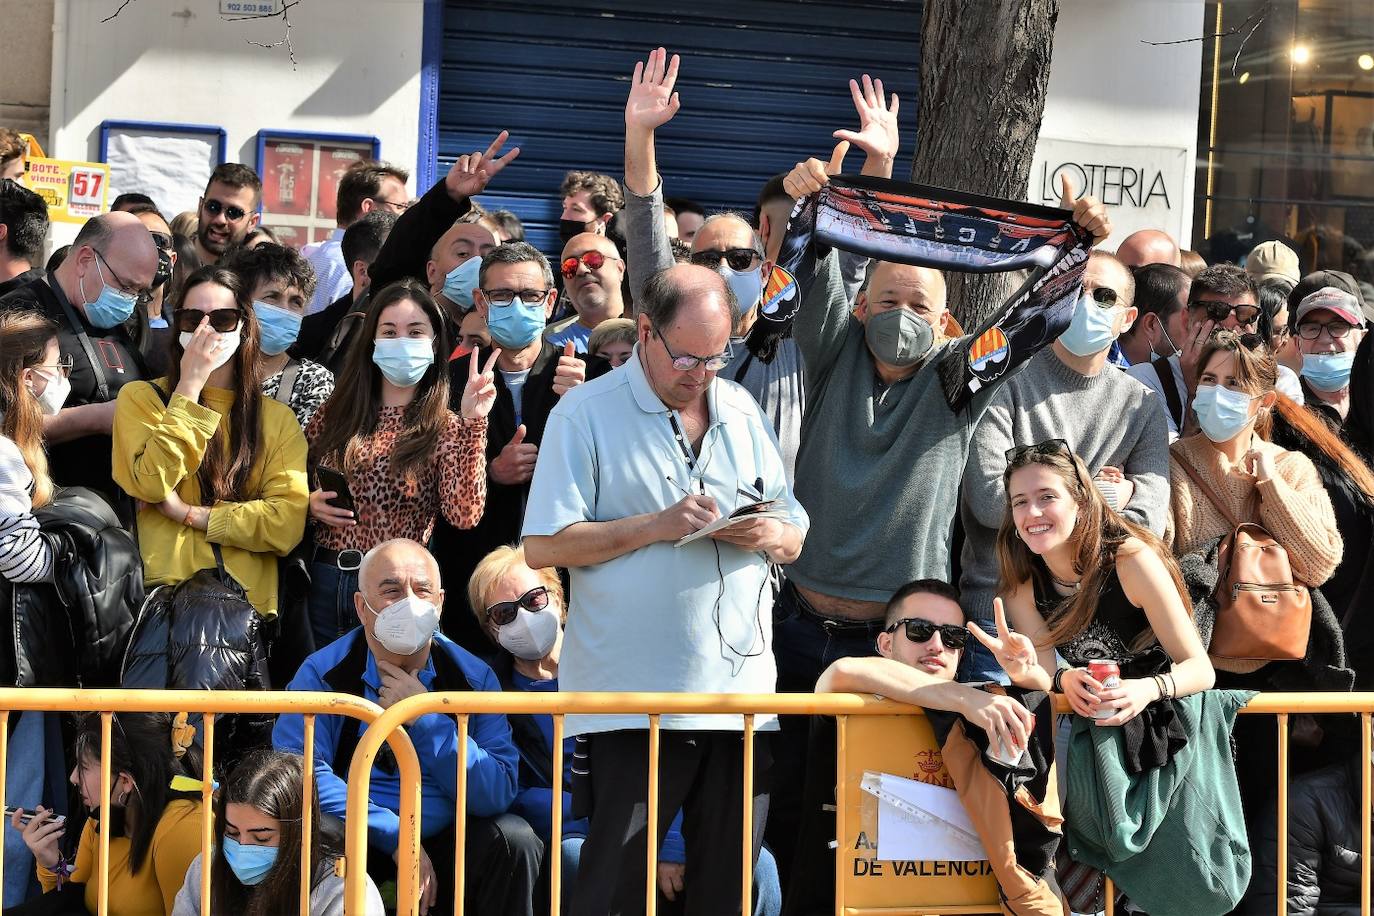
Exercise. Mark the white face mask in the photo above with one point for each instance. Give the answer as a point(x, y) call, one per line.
point(531, 635)
point(54, 394)
point(227, 344)
point(407, 626)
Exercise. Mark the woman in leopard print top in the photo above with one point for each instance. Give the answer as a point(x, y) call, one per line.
point(388, 429)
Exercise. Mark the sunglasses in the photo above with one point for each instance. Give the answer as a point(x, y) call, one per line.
point(162, 240)
point(918, 630)
point(592, 260)
point(221, 320)
point(1220, 311)
point(1105, 297)
point(735, 258)
point(231, 212)
point(1048, 447)
point(1336, 330)
point(534, 600)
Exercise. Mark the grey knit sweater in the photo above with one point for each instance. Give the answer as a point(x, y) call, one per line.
point(1109, 420)
point(879, 467)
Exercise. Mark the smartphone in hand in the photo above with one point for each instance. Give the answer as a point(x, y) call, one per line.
point(332, 481)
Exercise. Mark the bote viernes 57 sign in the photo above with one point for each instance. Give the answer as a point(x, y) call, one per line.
point(1142, 186)
point(73, 191)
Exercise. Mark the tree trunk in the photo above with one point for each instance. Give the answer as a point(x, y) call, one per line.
point(984, 69)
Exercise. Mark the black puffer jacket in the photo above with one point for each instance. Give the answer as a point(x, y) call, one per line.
point(1323, 847)
point(202, 634)
point(72, 631)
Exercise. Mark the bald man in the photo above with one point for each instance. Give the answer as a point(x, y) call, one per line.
point(90, 297)
point(1148, 246)
point(592, 273)
point(396, 653)
point(631, 464)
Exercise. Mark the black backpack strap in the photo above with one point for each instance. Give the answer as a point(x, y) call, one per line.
point(102, 387)
point(1165, 370)
point(347, 677)
point(288, 381)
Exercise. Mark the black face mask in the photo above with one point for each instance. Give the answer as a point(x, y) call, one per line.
point(164, 270)
point(567, 228)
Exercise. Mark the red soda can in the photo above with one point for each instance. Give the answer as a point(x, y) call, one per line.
point(1106, 672)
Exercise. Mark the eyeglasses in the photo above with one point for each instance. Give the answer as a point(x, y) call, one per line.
point(501, 298)
point(231, 212)
point(161, 239)
point(221, 320)
point(503, 612)
point(401, 205)
point(735, 258)
point(1336, 330)
point(129, 288)
point(1048, 447)
point(687, 362)
point(64, 366)
point(592, 260)
point(1220, 311)
point(919, 630)
point(1105, 297)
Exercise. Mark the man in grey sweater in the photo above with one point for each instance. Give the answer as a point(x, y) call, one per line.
point(1067, 391)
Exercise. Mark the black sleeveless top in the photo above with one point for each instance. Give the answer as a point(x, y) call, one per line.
point(1113, 630)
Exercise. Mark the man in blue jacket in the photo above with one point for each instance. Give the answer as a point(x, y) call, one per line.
point(398, 653)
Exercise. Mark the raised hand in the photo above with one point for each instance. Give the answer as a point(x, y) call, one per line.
point(877, 134)
point(1088, 212)
point(570, 371)
point(652, 101)
point(1015, 652)
point(199, 358)
point(469, 175)
point(479, 394)
point(810, 176)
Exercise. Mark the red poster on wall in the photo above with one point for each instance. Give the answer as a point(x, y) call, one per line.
point(334, 161)
point(287, 177)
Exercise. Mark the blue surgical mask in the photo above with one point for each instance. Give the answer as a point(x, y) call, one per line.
point(250, 864)
point(515, 326)
point(403, 360)
point(461, 281)
point(279, 327)
point(1092, 329)
point(747, 285)
point(111, 307)
point(1328, 371)
point(1221, 412)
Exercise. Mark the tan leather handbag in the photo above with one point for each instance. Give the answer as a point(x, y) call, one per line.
point(1263, 614)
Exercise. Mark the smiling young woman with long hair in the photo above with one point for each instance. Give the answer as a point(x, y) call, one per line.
point(1080, 580)
point(406, 457)
point(212, 459)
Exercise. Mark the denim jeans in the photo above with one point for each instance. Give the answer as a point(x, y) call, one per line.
point(978, 664)
point(332, 611)
point(24, 772)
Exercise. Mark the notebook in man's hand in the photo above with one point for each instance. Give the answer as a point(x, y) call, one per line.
point(771, 508)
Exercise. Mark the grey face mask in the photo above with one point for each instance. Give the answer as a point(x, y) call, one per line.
point(899, 337)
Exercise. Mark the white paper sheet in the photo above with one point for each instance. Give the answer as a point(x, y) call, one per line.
point(920, 822)
point(170, 168)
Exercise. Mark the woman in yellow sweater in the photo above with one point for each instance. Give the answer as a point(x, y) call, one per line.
point(211, 459)
point(154, 815)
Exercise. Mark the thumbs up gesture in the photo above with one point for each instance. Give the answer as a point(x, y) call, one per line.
point(515, 464)
point(810, 176)
point(571, 371)
point(1088, 212)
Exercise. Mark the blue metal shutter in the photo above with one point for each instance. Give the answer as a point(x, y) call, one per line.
point(763, 83)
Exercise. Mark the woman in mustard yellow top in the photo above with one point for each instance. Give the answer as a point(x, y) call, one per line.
point(155, 818)
point(210, 458)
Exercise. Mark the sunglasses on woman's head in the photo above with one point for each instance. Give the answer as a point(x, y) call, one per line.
point(503, 612)
point(919, 630)
point(221, 320)
point(1048, 447)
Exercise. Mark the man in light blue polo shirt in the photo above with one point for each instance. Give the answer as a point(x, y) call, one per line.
point(631, 463)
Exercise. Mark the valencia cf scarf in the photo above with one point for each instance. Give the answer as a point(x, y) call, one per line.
point(947, 230)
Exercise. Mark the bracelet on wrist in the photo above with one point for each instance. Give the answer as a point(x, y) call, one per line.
point(1057, 682)
point(186, 520)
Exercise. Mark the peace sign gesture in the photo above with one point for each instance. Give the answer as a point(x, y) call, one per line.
point(479, 394)
point(470, 174)
point(1015, 652)
point(652, 101)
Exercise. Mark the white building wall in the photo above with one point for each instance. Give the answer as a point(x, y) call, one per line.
point(1117, 102)
point(357, 72)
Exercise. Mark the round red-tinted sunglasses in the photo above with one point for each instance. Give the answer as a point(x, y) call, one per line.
point(592, 260)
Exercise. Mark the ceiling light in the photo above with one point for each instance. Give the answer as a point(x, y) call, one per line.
point(1365, 61)
point(1301, 54)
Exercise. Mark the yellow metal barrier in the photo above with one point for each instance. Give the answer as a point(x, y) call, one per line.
point(466, 704)
point(209, 703)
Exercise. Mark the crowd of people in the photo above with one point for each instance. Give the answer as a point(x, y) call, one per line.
point(419, 456)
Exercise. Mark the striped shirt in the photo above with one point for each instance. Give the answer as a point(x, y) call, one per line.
point(24, 555)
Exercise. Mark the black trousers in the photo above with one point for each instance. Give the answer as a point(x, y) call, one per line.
point(700, 773)
point(501, 865)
